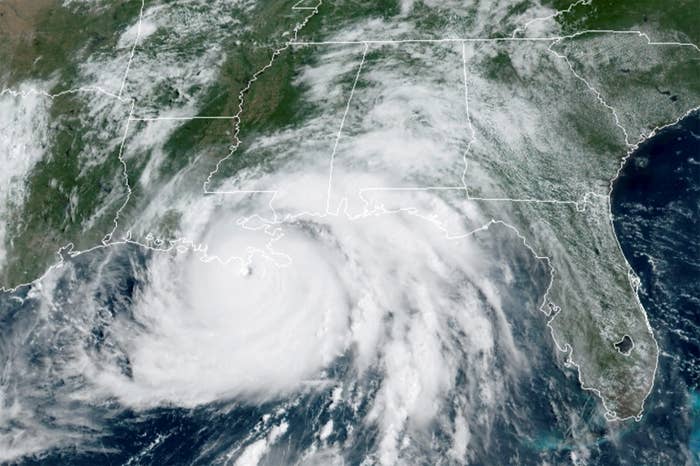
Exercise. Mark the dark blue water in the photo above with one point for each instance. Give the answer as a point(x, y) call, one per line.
point(656, 205)
point(545, 416)
point(533, 425)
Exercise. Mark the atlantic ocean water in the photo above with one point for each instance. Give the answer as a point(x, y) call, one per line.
point(656, 207)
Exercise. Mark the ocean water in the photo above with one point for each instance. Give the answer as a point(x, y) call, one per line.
point(656, 206)
point(544, 418)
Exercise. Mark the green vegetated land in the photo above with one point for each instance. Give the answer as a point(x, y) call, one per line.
point(271, 102)
point(679, 16)
point(45, 38)
point(68, 186)
point(64, 192)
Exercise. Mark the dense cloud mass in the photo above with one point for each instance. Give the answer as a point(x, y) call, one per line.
point(264, 313)
point(417, 268)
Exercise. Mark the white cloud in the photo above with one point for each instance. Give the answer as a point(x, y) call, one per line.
point(253, 453)
point(277, 288)
point(23, 142)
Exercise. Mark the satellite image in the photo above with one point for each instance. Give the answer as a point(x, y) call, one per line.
point(349, 232)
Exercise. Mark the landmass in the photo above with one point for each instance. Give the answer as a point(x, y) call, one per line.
point(124, 116)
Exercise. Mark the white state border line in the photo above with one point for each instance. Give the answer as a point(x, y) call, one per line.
point(610, 415)
point(293, 42)
point(340, 131)
point(86, 89)
point(107, 240)
point(91, 89)
point(595, 91)
point(472, 132)
point(133, 50)
point(579, 202)
point(125, 174)
point(242, 93)
point(478, 199)
point(297, 6)
point(174, 243)
point(496, 39)
point(552, 16)
point(181, 118)
point(580, 205)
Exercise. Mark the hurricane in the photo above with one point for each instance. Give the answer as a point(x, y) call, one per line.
point(301, 233)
